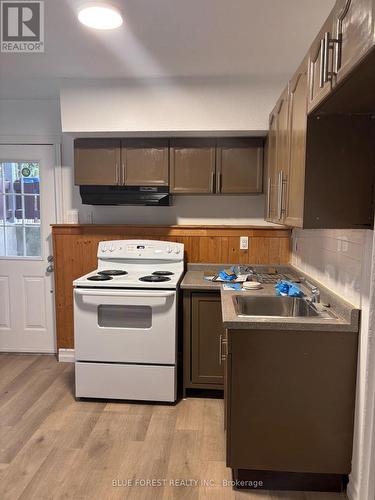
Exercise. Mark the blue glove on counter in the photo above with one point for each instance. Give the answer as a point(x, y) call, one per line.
point(288, 288)
point(227, 275)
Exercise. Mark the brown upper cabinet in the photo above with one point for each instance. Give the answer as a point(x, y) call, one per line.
point(128, 162)
point(97, 162)
point(188, 166)
point(295, 182)
point(320, 150)
point(270, 154)
point(145, 162)
point(344, 40)
point(239, 166)
point(353, 34)
point(278, 159)
point(192, 166)
point(320, 66)
point(222, 166)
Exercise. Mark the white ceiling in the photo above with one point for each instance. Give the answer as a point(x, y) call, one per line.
point(261, 39)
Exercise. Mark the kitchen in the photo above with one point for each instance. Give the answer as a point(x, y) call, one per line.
point(187, 270)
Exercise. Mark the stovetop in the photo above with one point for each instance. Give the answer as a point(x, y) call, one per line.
point(136, 264)
point(133, 279)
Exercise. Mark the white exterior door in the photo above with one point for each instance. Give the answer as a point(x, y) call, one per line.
point(27, 209)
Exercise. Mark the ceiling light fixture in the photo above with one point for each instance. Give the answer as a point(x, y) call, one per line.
point(99, 16)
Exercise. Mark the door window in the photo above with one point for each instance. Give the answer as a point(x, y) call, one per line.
point(20, 232)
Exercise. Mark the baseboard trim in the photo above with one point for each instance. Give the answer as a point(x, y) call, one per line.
point(12, 350)
point(66, 356)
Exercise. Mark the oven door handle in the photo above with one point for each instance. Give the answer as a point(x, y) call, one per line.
point(123, 298)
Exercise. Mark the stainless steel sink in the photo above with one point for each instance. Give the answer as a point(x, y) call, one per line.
point(286, 307)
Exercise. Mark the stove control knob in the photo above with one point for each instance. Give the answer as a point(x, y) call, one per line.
point(112, 248)
point(177, 250)
point(168, 250)
point(104, 248)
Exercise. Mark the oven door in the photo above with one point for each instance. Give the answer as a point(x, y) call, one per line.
point(125, 326)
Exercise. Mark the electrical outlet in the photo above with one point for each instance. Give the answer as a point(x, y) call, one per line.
point(90, 217)
point(345, 245)
point(244, 242)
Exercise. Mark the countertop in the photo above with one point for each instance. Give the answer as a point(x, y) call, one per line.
point(346, 315)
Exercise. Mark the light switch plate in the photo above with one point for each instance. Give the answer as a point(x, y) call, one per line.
point(244, 242)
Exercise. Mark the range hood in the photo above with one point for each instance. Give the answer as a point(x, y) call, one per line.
point(153, 196)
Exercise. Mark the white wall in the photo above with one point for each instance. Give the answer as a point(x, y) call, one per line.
point(173, 105)
point(344, 261)
point(335, 258)
point(39, 119)
point(32, 118)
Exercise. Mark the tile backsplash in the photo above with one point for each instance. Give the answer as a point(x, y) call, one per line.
point(336, 258)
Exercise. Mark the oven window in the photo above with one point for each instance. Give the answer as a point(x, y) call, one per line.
point(112, 316)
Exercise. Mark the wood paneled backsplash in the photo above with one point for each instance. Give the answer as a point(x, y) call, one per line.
point(75, 249)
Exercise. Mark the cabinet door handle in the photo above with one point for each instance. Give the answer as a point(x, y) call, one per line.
point(219, 182)
point(269, 197)
point(326, 57)
point(222, 356)
point(220, 349)
point(118, 181)
point(212, 189)
point(122, 176)
point(322, 63)
point(335, 45)
point(337, 54)
point(280, 193)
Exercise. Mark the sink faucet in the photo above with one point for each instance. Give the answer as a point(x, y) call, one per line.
point(315, 292)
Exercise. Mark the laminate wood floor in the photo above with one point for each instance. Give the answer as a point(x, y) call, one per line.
point(53, 447)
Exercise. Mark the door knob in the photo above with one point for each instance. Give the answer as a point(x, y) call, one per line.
point(49, 268)
point(50, 258)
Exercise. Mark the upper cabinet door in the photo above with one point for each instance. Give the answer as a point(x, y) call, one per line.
point(271, 200)
point(320, 66)
point(282, 153)
point(297, 126)
point(239, 166)
point(192, 166)
point(354, 34)
point(97, 162)
point(145, 162)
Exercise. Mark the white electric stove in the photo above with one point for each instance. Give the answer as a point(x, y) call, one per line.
point(125, 322)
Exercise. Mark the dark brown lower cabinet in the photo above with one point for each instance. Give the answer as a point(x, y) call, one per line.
point(203, 339)
point(290, 401)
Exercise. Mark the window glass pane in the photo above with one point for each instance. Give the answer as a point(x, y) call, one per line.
point(20, 233)
point(30, 178)
point(2, 210)
point(2, 241)
point(12, 177)
point(33, 241)
point(13, 209)
point(14, 241)
point(32, 209)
